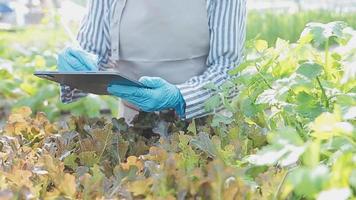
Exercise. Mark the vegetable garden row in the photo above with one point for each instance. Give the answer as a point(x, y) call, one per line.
point(292, 134)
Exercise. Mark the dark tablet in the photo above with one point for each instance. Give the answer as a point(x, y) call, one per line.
point(90, 82)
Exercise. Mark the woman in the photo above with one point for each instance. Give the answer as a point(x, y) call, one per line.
point(175, 47)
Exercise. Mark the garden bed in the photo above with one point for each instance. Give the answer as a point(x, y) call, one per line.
point(292, 136)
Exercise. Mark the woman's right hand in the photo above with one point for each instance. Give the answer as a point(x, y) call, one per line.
point(73, 59)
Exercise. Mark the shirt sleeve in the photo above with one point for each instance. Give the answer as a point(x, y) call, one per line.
point(227, 24)
point(93, 37)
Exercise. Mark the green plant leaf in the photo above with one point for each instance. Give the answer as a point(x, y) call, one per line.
point(309, 182)
point(340, 193)
point(213, 103)
point(261, 45)
point(322, 33)
point(204, 143)
point(88, 158)
point(192, 127)
point(310, 70)
point(221, 119)
point(307, 106)
point(311, 157)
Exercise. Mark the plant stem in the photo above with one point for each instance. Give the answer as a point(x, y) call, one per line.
point(324, 97)
point(263, 78)
point(350, 140)
point(280, 186)
point(105, 145)
point(327, 58)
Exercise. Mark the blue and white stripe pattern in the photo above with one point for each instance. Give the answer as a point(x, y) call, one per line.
point(227, 25)
point(227, 22)
point(94, 34)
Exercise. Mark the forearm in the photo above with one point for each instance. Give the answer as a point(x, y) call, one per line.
point(227, 22)
point(195, 94)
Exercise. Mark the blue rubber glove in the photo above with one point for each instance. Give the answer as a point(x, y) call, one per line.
point(73, 59)
point(161, 95)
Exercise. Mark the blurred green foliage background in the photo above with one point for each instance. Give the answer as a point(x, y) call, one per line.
point(271, 25)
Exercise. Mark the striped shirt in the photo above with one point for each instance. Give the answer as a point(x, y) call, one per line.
point(227, 26)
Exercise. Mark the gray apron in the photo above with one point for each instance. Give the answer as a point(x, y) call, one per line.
point(160, 38)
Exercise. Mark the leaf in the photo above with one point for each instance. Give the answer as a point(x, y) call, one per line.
point(221, 119)
point(192, 127)
point(40, 62)
point(305, 38)
point(120, 124)
point(213, 103)
point(254, 171)
point(39, 171)
point(269, 182)
point(20, 115)
point(141, 187)
point(70, 161)
point(261, 45)
point(157, 154)
point(19, 177)
point(92, 183)
point(227, 86)
point(331, 194)
point(281, 44)
point(336, 56)
point(310, 70)
point(308, 182)
point(349, 76)
point(267, 156)
point(123, 147)
point(258, 138)
point(132, 161)
point(92, 106)
point(286, 135)
point(88, 158)
point(161, 128)
point(321, 33)
point(240, 68)
point(350, 113)
point(28, 88)
point(316, 32)
point(68, 185)
point(307, 106)
point(353, 178)
point(342, 170)
point(328, 125)
point(311, 157)
point(285, 149)
point(204, 143)
point(249, 108)
point(273, 96)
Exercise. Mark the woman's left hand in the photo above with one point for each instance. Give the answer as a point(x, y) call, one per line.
point(160, 95)
point(73, 59)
